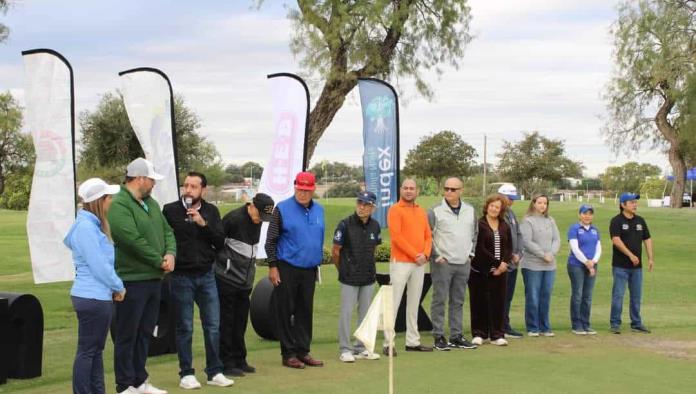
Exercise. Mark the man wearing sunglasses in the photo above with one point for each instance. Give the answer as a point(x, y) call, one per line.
point(453, 225)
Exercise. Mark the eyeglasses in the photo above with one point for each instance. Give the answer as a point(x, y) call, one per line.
point(451, 189)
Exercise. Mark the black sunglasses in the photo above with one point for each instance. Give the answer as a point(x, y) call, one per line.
point(451, 189)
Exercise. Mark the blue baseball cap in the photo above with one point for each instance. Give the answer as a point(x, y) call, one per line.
point(585, 207)
point(628, 197)
point(367, 197)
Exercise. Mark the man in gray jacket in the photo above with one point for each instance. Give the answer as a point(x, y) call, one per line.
point(453, 225)
point(510, 192)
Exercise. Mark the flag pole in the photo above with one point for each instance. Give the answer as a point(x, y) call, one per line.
point(390, 352)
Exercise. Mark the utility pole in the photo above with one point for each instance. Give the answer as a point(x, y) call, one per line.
point(485, 169)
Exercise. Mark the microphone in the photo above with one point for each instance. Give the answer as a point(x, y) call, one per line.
point(188, 202)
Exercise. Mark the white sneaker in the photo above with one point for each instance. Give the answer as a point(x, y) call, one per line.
point(148, 388)
point(579, 332)
point(548, 334)
point(130, 390)
point(478, 341)
point(532, 334)
point(220, 380)
point(347, 357)
point(590, 331)
point(500, 342)
point(366, 355)
point(189, 382)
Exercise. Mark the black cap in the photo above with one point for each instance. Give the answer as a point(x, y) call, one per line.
point(367, 197)
point(264, 203)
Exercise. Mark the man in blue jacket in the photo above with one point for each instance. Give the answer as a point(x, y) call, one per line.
point(294, 251)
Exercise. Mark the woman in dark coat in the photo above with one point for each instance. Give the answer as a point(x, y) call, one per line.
point(487, 281)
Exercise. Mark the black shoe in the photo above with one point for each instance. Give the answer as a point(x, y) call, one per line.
point(615, 330)
point(461, 343)
point(385, 351)
point(236, 372)
point(512, 333)
point(419, 348)
point(247, 368)
point(441, 344)
point(641, 329)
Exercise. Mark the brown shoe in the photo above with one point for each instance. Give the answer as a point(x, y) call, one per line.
point(419, 348)
point(385, 351)
point(312, 362)
point(293, 362)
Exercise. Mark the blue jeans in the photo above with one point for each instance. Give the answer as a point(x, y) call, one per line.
point(511, 283)
point(94, 319)
point(634, 278)
point(538, 286)
point(187, 288)
point(581, 284)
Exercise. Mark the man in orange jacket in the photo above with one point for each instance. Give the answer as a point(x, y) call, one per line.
point(411, 242)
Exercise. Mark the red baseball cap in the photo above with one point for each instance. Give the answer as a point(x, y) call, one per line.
point(305, 181)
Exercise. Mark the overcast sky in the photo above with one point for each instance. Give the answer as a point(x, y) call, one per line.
point(533, 65)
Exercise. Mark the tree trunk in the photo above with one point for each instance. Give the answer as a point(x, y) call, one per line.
point(676, 158)
point(679, 171)
point(332, 97)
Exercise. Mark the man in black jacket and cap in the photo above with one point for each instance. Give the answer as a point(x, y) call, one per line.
point(234, 271)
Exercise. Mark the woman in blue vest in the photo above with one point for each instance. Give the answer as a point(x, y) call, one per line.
point(96, 283)
point(585, 251)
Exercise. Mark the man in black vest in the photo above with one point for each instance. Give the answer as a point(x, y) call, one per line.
point(354, 243)
point(234, 272)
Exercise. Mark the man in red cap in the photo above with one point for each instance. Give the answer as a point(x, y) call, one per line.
point(294, 246)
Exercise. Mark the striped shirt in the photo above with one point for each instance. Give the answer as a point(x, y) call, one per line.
point(496, 243)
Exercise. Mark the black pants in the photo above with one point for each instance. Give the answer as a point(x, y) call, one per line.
point(94, 318)
point(136, 317)
point(234, 316)
point(292, 303)
point(487, 303)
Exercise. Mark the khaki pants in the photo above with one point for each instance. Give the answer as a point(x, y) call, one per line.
point(410, 276)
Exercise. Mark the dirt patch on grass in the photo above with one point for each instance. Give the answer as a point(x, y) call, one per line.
point(685, 350)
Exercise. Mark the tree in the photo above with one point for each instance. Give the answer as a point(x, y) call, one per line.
point(234, 173)
point(628, 177)
point(337, 171)
point(654, 50)
point(439, 155)
point(108, 140)
point(653, 187)
point(251, 169)
point(4, 30)
point(687, 123)
point(16, 149)
point(535, 162)
point(343, 189)
point(341, 41)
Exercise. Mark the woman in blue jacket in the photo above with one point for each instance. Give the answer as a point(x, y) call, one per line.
point(96, 283)
point(585, 251)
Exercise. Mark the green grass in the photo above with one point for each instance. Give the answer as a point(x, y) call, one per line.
point(664, 361)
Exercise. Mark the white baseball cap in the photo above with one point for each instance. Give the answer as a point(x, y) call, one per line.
point(509, 190)
point(142, 167)
point(94, 189)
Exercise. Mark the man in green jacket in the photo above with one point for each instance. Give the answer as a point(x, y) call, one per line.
point(145, 250)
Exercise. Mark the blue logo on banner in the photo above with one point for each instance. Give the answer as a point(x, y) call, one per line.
point(379, 111)
point(379, 136)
